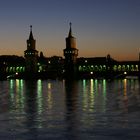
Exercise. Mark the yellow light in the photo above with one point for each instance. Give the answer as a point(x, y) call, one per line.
point(125, 72)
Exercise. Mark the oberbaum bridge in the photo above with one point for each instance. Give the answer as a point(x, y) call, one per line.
point(35, 65)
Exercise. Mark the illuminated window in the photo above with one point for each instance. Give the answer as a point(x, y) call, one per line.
point(123, 68)
point(100, 68)
point(132, 67)
point(119, 68)
point(80, 68)
point(104, 67)
point(137, 68)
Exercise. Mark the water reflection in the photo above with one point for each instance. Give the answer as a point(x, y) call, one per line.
point(49, 95)
point(71, 91)
point(39, 97)
point(125, 94)
point(16, 88)
point(94, 95)
point(31, 106)
point(69, 110)
point(25, 105)
point(125, 99)
point(92, 98)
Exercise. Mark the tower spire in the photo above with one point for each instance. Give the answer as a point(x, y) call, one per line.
point(30, 27)
point(31, 34)
point(70, 31)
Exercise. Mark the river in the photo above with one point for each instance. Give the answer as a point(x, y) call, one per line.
point(76, 110)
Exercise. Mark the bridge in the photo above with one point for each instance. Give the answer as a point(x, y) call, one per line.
point(105, 66)
point(94, 67)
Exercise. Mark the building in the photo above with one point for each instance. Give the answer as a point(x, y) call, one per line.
point(106, 67)
point(11, 66)
point(70, 54)
point(34, 66)
point(31, 56)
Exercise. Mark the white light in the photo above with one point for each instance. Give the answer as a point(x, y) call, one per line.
point(125, 72)
point(91, 72)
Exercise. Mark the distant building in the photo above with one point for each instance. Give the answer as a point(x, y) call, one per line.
point(31, 55)
point(106, 67)
point(50, 67)
point(70, 54)
point(11, 66)
point(37, 66)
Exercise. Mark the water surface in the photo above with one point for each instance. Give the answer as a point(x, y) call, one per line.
point(78, 110)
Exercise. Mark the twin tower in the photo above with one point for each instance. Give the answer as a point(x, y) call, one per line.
point(70, 54)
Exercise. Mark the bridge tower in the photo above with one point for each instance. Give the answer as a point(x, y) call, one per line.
point(31, 55)
point(70, 54)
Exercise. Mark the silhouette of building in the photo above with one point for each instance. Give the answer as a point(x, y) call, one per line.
point(37, 66)
point(70, 54)
point(11, 66)
point(50, 67)
point(31, 55)
point(106, 67)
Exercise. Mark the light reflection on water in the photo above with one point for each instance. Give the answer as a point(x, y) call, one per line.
point(93, 109)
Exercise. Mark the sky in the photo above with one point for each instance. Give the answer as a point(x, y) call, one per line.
point(101, 27)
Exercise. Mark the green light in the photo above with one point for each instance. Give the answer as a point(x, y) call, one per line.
point(85, 99)
point(16, 95)
point(92, 94)
point(39, 96)
point(12, 90)
point(49, 97)
point(104, 87)
point(104, 94)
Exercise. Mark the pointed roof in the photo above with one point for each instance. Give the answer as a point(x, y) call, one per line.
point(70, 31)
point(31, 34)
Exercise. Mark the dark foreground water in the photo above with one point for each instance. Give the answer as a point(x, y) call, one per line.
point(79, 110)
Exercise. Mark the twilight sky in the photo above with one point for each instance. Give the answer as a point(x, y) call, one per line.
point(101, 27)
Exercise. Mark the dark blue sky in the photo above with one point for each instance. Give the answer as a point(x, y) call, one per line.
point(100, 26)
